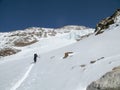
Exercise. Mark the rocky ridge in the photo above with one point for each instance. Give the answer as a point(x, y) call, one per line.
point(107, 22)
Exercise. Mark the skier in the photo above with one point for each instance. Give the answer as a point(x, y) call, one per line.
point(35, 57)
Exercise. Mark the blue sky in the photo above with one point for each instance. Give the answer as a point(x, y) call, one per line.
point(21, 14)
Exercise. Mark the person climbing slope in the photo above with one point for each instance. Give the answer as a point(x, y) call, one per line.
point(35, 57)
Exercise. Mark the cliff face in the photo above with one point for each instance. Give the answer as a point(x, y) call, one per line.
point(110, 81)
point(105, 23)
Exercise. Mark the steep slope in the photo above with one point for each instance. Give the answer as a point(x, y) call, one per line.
point(109, 81)
point(89, 59)
point(64, 62)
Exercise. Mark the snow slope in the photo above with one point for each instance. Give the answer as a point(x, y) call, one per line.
point(91, 58)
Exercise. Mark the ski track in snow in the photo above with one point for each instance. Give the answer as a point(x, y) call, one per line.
point(23, 78)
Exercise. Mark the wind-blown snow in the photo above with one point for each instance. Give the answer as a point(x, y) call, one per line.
point(91, 58)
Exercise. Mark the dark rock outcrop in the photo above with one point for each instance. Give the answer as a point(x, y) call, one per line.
point(66, 54)
point(105, 23)
point(8, 51)
point(109, 81)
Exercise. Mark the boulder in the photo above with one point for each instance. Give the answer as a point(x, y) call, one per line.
point(109, 81)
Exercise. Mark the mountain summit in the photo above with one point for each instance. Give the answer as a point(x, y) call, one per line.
point(74, 27)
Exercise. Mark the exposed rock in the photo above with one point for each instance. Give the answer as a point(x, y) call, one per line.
point(66, 54)
point(8, 51)
point(105, 23)
point(22, 43)
point(92, 62)
point(109, 81)
point(100, 58)
point(83, 65)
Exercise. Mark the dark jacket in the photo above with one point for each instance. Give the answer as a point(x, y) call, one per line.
point(35, 57)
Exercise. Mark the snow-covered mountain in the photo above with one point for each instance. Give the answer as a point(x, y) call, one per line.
point(63, 62)
point(10, 41)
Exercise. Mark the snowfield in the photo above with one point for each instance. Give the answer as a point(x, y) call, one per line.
point(90, 58)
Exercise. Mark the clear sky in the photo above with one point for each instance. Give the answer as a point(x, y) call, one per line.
point(21, 14)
